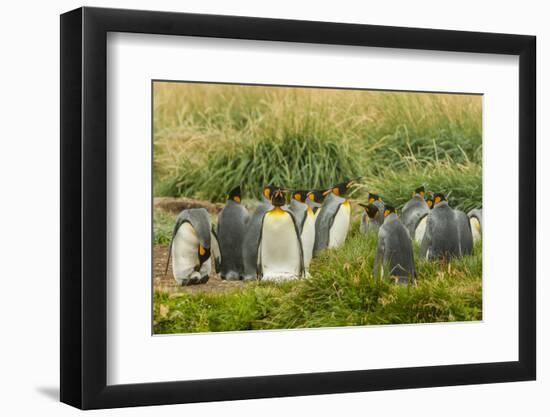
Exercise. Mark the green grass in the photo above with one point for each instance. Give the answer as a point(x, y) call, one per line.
point(209, 138)
point(340, 292)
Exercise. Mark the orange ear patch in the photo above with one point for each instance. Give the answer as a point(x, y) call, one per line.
point(237, 199)
point(267, 193)
point(298, 197)
point(437, 200)
point(386, 213)
point(202, 251)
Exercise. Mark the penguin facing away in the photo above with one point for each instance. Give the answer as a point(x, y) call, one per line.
point(414, 210)
point(190, 247)
point(280, 248)
point(476, 220)
point(252, 234)
point(332, 223)
point(394, 253)
point(441, 239)
point(370, 219)
point(231, 229)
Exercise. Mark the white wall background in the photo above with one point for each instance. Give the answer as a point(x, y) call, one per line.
point(29, 228)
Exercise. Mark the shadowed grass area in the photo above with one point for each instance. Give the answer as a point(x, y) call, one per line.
point(340, 292)
point(208, 138)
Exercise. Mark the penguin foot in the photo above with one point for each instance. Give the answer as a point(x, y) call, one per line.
point(204, 279)
point(249, 278)
point(232, 276)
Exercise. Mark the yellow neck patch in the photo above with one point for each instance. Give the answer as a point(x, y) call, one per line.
point(278, 211)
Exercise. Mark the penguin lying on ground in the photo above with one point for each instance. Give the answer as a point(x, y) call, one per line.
point(476, 221)
point(231, 228)
point(441, 239)
point(414, 210)
point(394, 253)
point(252, 234)
point(370, 219)
point(280, 248)
point(190, 247)
point(332, 224)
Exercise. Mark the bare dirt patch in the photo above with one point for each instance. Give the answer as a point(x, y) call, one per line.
point(175, 205)
point(166, 283)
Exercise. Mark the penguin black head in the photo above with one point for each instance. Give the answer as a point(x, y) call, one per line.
point(342, 188)
point(300, 195)
point(430, 202)
point(370, 209)
point(269, 190)
point(420, 191)
point(438, 198)
point(374, 197)
point(235, 194)
point(388, 210)
point(278, 198)
point(204, 254)
point(317, 196)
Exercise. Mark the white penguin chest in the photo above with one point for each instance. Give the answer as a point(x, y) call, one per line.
point(476, 229)
point(308, 237)
point(421, 230)
point(185, 251)
point(280, 247)
point(339, 230)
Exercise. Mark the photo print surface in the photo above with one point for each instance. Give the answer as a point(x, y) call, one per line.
point(299, 207)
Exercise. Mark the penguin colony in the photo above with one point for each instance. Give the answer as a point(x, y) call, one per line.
point(278, 240)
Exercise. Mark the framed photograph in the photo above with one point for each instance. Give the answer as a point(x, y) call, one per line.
point(257, 208)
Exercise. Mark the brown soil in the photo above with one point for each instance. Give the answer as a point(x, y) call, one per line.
point(175, 205)
point(166, 283)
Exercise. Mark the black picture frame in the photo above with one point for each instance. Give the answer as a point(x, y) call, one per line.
point(84, 207)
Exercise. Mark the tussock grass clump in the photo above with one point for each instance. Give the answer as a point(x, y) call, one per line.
point(208, 138)
point(340, 292)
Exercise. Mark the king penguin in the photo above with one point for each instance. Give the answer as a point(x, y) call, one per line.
point(280, 249)
point(298, 207)
point(414, 210)
point(253, 232)
point(441, 239)
point(307, 232)
point(394, 249)
point(231, 228)
point(377, 201)
point(190, 247)
point(476, 222)
point(420, 227)
point(332, 224)
point(315, 201)
point(370, 219)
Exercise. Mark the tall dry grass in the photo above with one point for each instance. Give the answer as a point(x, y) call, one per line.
point(208, 138)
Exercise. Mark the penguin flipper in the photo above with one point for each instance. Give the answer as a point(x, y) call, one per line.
point(216, 251)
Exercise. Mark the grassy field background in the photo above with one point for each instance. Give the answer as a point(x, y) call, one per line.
point(209, 138)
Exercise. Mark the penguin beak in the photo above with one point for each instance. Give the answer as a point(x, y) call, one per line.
point(327, 192)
